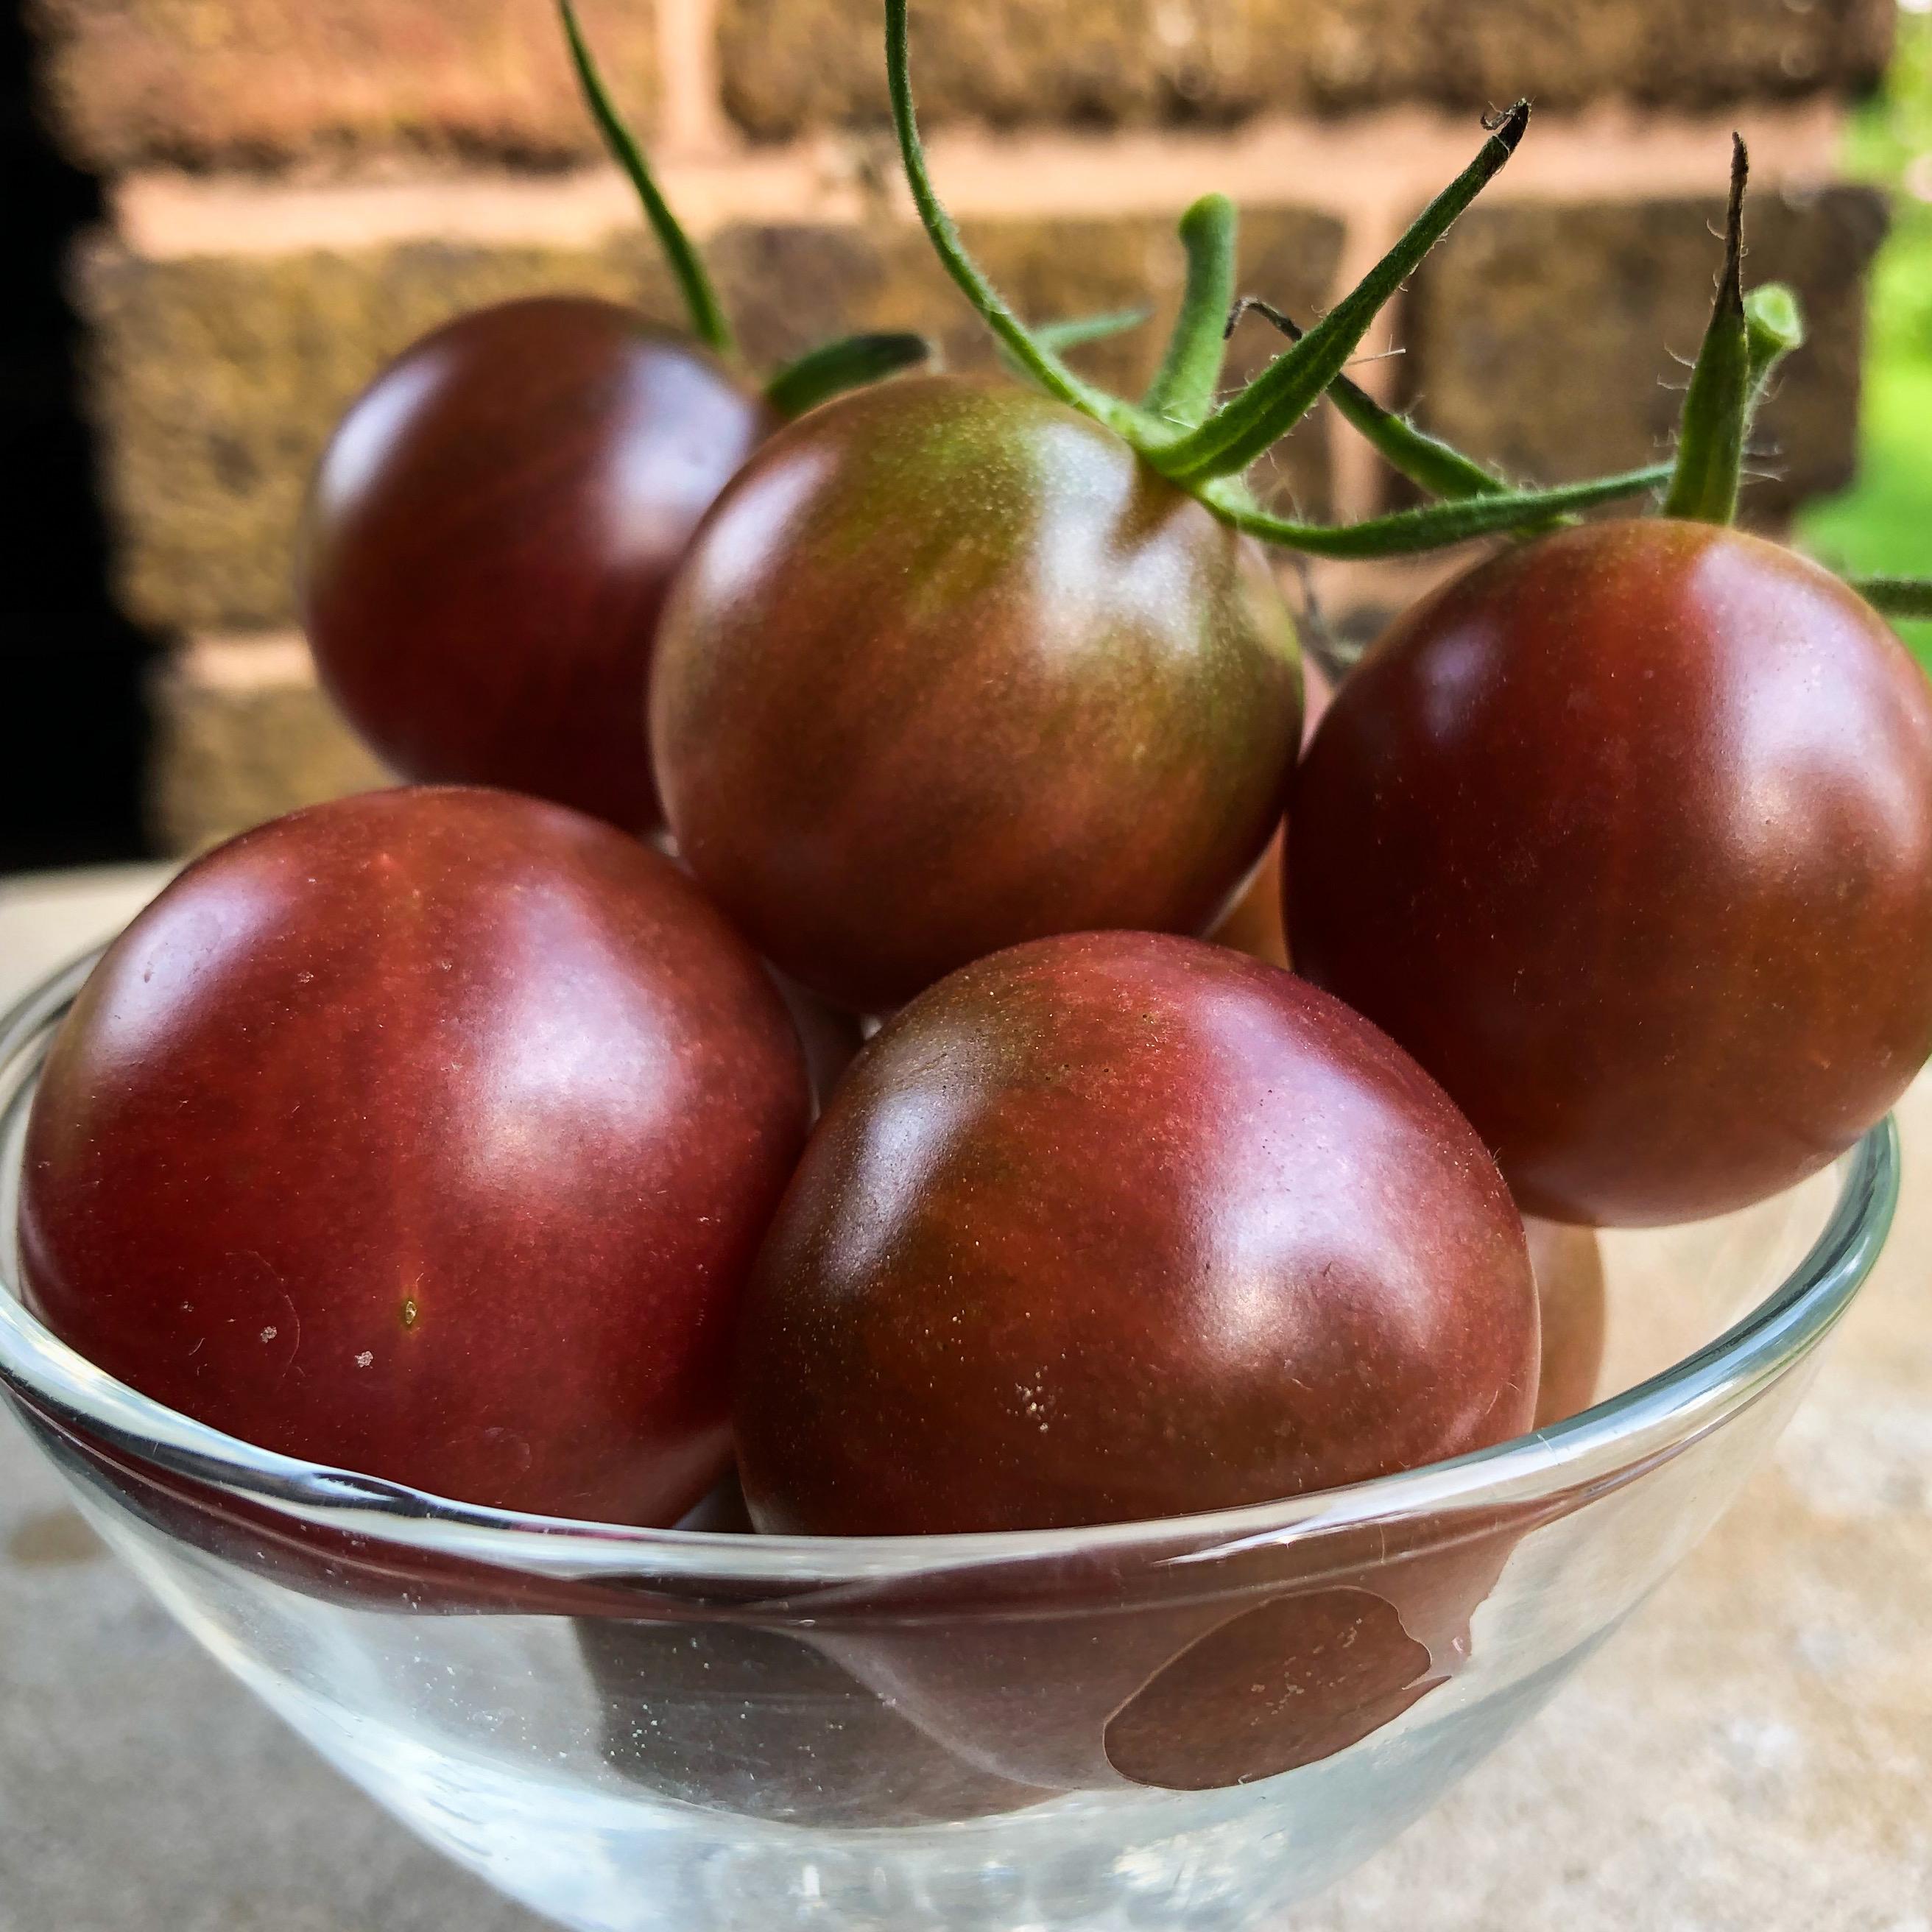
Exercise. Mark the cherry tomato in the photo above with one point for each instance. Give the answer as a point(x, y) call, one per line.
point(1115, 1226)
point(490, 535)
point(430, 1134)
point(949, 667)
point(1626, 835)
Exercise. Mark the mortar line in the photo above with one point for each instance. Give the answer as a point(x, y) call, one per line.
point(694, 125)
point(1356, 169)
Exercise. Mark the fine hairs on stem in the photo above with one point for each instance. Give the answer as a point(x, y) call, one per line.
point(1207, 452)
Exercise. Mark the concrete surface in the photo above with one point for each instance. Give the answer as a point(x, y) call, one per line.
point(1753, 1753)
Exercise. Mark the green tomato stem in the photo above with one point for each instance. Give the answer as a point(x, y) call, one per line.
point(1271, 405)
point(1432, 526)
point(1896, 596)
point(1711, 437)
point(1074, 331)
point(709, 322)
point(1438, 467)
point(850, 363)
point(1037, 360)
point(1774, 327)
point(1182, 392)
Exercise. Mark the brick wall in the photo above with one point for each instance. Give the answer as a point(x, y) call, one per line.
point(300, 187)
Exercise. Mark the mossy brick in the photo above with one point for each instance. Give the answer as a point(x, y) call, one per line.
point(1552, 338)
point(792, 65)
point(200, 82)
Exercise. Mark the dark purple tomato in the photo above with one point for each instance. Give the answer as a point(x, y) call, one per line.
point(1627, 835)
point(429, 1134)
point(950, 667)
point(1115, 1226)
point(490, 535)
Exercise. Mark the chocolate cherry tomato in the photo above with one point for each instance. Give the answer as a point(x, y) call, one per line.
point(490, 535)
point(1114, 1226)
point(1627, 835)
point(429, 1134)
point(950, 666)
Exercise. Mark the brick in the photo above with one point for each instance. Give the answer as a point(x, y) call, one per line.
point(1543, 336)
point(242, 733)
point(216, 380)
point(791, 65)
point(203, 81)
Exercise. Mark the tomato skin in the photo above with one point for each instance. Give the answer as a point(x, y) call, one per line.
point(949, 668)
point(1626, 835)
point(1115, 1226)
point(490, 535)
point(430, 1134)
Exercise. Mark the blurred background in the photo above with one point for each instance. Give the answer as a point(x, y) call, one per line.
point(226, 215)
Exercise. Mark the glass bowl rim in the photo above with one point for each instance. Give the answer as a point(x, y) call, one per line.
point(1652, 1419)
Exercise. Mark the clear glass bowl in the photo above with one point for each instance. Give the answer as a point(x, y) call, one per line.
point(1183, 1724)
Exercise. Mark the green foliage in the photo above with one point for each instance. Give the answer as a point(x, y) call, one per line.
point(1883, 524)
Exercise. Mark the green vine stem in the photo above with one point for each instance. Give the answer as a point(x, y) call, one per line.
point(1430, 525)
point(1206, 459)
point(1234, 437)
point(1774, 327)
point(852, 362)
point(1039, 362)
point(1182, 392)
point(1437, 467)
point(709, 322)
point(1075, 332)
point(1896, 596)
point(1711, 439)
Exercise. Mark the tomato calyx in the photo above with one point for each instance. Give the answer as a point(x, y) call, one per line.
point(1207, 452)
point(1244, 429)
point(850, 362)
point(1750, 333)
point(1742, 345)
